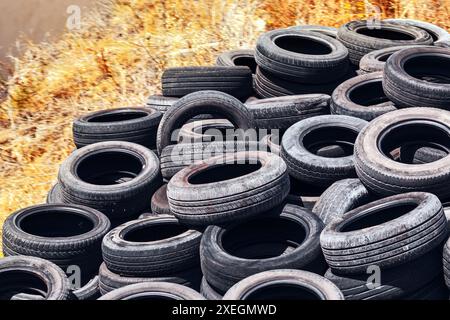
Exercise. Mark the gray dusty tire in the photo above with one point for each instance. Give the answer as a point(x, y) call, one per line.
point(54, 196)
point(159, 202)
point(446, 262)
point(340, 198)
point(90, 291)
point(419, 77)
point(203, 102)
point(285, 284)
point(301, 142)
point(328, 31)
point(375, 61)
point(38, 277)
point(386, 176)
point(138, 125)
point(360, 37)
point(160, 103)
point(208, 130)
point(361, 97)
point(386, 233)
point(153, 246)
point(153, 291)
point(302, 56)
point(226, 189)
point(61, 233)
point(286, 240)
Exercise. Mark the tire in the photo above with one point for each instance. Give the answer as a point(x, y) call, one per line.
point(446, 261)
point(160, 103)
point(282, 112)
point(269, 86)
point(205, 102)
point(385, 176)
point(419, 77)
point(54, 196)
point(437, 33)
point(160, 203)
point(286, 240)
point(235, 58)
point(151, 247)
point(328, 31)
point(304, 194)
point(242, 185)
point(375, 61)
point(386, 233)
point(209, 292)
point(361, 97)
point(109, 281)
point(34, 276)
point(301, 142)
point(66, 235)
point(361, 38)
point(298, 285)
point(340, 198)
point(443, 44)
point(174, 158)
point(90, 291)
point(271, 143)
point(153, 291)
point(322, 60)
point(418, 154)
point(138, 125)
point(205, 131)
point(396, 283)
point(235, 81)
point(119, 189)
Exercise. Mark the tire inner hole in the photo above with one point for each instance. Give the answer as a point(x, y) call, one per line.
point(246, 62)
point(263, 238)
point(109, 168)
point(282, 291)
point(154, 232)
point(385, 34)
point(330, 141)
point(434, 69)
point(368, 94)
point(223, 172)
point(55, 224)
point(16, 282)
point(300, 188)
point(302, 45)
point(377, 216)
point(118, 116)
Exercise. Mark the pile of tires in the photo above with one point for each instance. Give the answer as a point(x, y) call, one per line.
point(314, 167)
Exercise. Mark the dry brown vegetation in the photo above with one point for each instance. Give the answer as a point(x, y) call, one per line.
point(116, 60)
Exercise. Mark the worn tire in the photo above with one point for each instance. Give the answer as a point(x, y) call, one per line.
point(328, 31)
point(29, 272)
point(54, 196)
point(204, 102)
point(265, 243)
point(446, 261)
point(90, 291)
point(360, 38)
point(235, 81)
point(373, 235)
point(419, 77)
point(137, 249)
point(262, 185)
point(209, 292)
point(235, 58)
point(375, 61)
point(160, 103)
point(437, 33)
point(385, 176)
point(361, 97)
point(299, 146)
point(160, 203)
point(208, 130)
point(312, 286)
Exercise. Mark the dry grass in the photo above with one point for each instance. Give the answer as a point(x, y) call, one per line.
point(116, 60)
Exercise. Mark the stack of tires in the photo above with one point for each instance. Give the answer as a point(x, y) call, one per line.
point(279, 173)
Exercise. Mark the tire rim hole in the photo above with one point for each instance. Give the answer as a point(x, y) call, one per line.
point(429, 68)
point(118, 116)
point(21, 282)
point(383, 33)
point(246, 62)
point(282, 291)
point(302, 45)
point(368, 94)
point(330, 142)
point(224, 172)
point(156, 232)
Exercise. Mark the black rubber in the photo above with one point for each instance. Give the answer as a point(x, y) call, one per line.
point(153, 291)
point(282, 112)
point(375, 61)
point(437, 33)
point(236, 81)
point(284, 284)
point(419, 77)
point(418, 154)
point(33, 278)
point(361, 37)
point(302, 56)
point(116, 178)
point(301, 142)
point(328, 31)
point(446, 262)
point(209, 292)
point(286, 240)
point(340, 198)
point(386, 233)
point(160, 103)
point(54, 196)
point(159, 202)
point(226, 189)
point(109, 281)
point(138, 125)
point(203, 102)
point(383, 174)
point(235, 58)
point(361, 97)
point(150, 247)
point(395, 283)
point(61, 233)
